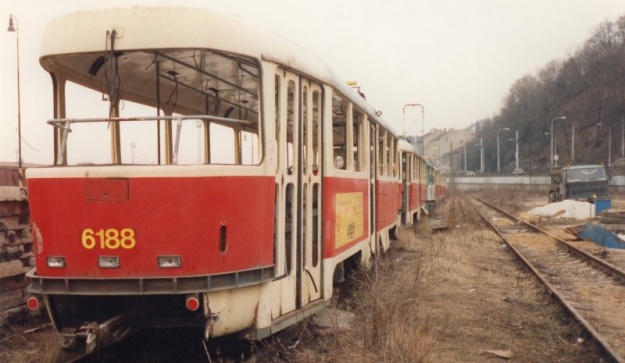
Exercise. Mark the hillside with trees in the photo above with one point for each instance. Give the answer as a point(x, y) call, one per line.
point(588, 87)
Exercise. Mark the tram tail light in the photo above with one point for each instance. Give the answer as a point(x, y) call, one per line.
point(32, 303)
point(193, 302)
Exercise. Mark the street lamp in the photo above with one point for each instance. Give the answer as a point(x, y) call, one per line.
point(623, 138)
point(15, 29)
point(609, 146)
point(481, 145)
point(572, 144)
point(498, 131)
point(555, 118)
point(516, 153)
point(465, 157)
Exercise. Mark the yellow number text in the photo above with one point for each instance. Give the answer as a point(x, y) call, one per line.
point(110, 238)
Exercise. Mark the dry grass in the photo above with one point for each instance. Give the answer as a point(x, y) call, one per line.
point(25, 347)
point(454, 296)
point(388, 325)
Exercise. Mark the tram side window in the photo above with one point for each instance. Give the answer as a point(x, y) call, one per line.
point(222, 144)
point(339, 131)
point(390, 155)
point(278, 104)
point(304, 129)
point(405, 161)
point(358, 134)
point(316, 114)
point(249, 148)
point(191, 141)
point(372, 141)
point(290, 119)
point(382, 160)
point(394, 156)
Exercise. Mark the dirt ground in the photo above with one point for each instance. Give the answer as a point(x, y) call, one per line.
point(453, 296)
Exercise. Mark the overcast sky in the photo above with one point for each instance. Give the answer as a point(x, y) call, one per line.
point(456, 57)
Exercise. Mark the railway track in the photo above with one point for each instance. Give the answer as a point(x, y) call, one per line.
point(592, 290)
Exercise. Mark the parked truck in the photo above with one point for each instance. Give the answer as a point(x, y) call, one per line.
point(579, 182)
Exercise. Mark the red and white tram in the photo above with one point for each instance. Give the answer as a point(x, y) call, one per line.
point(206, 174)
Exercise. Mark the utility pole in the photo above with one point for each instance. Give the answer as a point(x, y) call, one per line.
point(465, 157)
point(516, 154)
point(609, 146)
point(572, 144)
point(552, 137)
point(623, 138)
point(481, 156)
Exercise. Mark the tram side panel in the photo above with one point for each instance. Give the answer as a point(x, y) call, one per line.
point(387, 208)
point(408, 188)
point(346, 209)
point(415, 189)
point(422, 184)
point(414, 199)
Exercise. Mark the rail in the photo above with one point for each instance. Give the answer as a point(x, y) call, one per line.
point(609, 269)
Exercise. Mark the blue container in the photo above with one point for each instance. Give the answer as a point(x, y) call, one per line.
point(601, 205)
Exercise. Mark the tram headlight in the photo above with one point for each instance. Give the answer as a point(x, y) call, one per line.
point(108, 261)
point(55, 261)
point(169, 261)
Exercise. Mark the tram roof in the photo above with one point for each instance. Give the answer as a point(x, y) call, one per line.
point(404, 145)
point(145, 28)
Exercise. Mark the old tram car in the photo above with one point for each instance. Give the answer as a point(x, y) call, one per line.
point(206, 174)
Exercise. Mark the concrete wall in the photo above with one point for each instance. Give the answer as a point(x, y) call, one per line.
point(615, 180)
point(516, 179)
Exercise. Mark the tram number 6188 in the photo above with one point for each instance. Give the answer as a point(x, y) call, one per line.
point(108, 238)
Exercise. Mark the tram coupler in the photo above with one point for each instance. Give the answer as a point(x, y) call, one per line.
point(83, 340)
point(92, 336)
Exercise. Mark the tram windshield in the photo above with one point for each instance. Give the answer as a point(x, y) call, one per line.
point(172, 106)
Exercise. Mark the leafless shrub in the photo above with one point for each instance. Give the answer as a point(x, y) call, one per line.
point(389, 325)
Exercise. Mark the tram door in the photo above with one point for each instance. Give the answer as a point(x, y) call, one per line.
point(373, 167)
point(299, 109)
point(309, 201)
point(406, 173)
